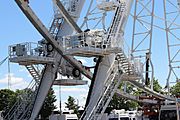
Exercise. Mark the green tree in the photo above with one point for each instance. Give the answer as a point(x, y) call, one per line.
point(175, 90)
point(71, 105)
point(118, 103)
point(7, 99)
point(48, 105)
point(156, 86)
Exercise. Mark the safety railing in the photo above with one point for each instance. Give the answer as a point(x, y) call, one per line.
point(107, 4)
point(97, 39)
point(82, 40)
point(70, 5)
point(25, 49)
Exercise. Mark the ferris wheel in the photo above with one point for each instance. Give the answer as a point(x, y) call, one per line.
point(101, 34)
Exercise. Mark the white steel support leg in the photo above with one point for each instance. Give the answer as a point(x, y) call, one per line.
point(44, 32)
point(106, 67)
point(142, 34)
point(172, 29)
point(66, 15)
point(103, 73)
point(50, 71)
point(45, 85)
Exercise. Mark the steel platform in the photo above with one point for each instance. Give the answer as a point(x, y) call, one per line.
point(69, 82)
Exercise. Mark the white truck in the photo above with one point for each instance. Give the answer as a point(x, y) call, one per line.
point(119, 115)
point(66, 115)
point(169, 112)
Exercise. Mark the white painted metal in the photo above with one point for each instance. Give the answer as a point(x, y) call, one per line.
point(142, 34)
point(34, 73)
point(40, 99)
point(91, 21)
point(104, 71)
point(28, 54)
point(111, 67)
point(172, 28)
point(107, 67)
point(150, 91)
point(66, 15)
point(47, 79)
point(42, 29)
point(45, 84)
point(135, 98)
point(21, 109)
point(49, 72)
point(107, 5)
point(89, 44)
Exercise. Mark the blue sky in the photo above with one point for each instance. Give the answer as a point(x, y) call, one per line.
point(15, 28)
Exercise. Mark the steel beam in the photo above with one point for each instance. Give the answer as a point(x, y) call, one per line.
point(135, 98)
point(66, 15)
point(44, 32)
point(150, 91)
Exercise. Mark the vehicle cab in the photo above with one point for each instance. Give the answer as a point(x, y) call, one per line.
point(169, 112)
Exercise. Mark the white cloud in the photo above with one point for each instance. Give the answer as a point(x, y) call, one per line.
point(13, 79)
point(15, 82)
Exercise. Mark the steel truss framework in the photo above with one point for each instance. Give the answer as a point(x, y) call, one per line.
point(111, 69)
point(95, 16)
point(172, 28)
point(142, 35)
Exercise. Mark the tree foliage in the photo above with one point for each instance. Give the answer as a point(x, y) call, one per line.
point(7, 99)
point(175, 90)
point(156, 86)
point(119, 102)
point(71, 105)
point(48, 105)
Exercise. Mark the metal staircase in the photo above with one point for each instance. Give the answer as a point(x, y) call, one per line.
point(118, 16)
point(34, 73)
point(24, 104)
point(22, 109)
point(56, 24)
point(124, 63)
point(121, 66)
point(108, 93)
point(117, 21)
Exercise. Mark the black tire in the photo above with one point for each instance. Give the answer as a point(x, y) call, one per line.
point(80, 62)
point(104, 46)
point(49, 47)
point(56, 75)
point(95, 59)
point(76, 73)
